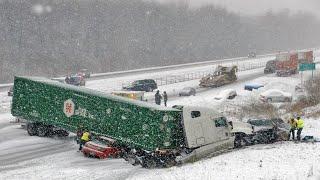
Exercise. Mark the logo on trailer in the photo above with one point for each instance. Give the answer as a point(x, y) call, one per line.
point(68, 108)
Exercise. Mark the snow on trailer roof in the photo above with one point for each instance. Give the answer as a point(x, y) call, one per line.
point(98, 93)
point(127, 92)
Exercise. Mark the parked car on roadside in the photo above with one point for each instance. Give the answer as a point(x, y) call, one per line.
point(75, 80)
point(102, 148)
point(84, 72)
point(187, 91)
point(147, 85)
point(274, 95)
point(252, 55)
point(250, 87)
point(226, 94)
point(10, 92)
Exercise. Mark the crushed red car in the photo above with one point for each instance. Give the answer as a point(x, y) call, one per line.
point(102, 148)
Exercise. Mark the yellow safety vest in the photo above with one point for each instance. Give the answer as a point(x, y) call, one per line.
point(85, 136)
point(300, 123)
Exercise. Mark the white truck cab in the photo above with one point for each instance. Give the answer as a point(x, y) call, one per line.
point(206, 131)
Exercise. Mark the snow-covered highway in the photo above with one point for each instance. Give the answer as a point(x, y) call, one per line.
point(29, 157)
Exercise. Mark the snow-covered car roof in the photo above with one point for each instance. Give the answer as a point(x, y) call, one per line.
point(254, 85)
point(272, 91)
point(225, 93)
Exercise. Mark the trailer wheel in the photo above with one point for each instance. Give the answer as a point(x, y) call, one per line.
point(32, 129)
point(133, 161)
point(149, 163)
point(170, 163)
point(42, 130)
point(50, 131)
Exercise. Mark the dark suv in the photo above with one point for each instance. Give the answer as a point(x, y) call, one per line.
point(147, 85)
point(75, 80)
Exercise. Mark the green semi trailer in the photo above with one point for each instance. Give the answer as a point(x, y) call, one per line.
point(150, 135)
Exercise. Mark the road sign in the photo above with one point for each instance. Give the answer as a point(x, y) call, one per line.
point(307, 66)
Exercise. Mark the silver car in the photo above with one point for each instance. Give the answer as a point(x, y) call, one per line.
point(187, 91)
point(274, 95)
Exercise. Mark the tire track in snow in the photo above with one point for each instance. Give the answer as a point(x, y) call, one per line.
point(16, 157)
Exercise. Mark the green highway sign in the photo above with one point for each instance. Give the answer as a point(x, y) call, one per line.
point(307, 66)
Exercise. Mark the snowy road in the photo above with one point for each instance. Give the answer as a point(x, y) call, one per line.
point(23, 147)
point(26, 157)
point(29, 157)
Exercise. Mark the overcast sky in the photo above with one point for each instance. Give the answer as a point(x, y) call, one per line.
point(259, 6)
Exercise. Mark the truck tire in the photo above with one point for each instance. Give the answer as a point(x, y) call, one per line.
point(149, 163)
point(32, 129)
point(170, 162)
point(239, 140)
point(50, 131)
point(42, 130)
point(131, 158)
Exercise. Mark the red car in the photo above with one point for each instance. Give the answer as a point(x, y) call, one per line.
point(101, 149)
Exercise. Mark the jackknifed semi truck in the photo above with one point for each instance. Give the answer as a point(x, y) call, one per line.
point(148, 134)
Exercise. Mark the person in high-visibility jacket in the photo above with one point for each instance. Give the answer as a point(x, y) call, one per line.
point(300, 125)
point(293, 127)
point(84, 138)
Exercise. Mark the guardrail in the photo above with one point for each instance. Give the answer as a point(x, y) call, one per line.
point(157, 69)
point(196, 64)
point(179, 66)
point(5, 86)
point(171, 79)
